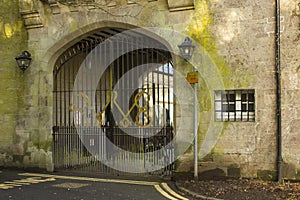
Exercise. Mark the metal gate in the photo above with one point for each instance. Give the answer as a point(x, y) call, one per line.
point(117, 117)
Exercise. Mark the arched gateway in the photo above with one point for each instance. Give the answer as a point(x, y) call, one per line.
point(113, 104)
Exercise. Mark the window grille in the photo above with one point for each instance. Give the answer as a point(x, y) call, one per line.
point(235, 105)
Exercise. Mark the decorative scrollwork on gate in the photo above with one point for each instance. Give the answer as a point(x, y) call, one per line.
point(142, 110)
point(111, 97)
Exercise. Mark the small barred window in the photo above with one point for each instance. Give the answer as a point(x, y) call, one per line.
point(234, 105)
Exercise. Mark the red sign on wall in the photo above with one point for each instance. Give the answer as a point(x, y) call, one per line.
point(192, 77)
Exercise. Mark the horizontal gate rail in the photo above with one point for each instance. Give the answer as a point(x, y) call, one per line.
point(86, 148)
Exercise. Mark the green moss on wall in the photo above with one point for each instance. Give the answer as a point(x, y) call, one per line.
point(213, 155)
point(45, 145)
point(232, 78)
point(12, 41)
point(267, 175)
point(298, 174)
point(200, 30)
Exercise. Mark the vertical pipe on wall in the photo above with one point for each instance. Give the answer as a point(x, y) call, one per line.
point(278, 93)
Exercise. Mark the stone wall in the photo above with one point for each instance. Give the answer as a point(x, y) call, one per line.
point(12, 41)
point(242, 41)
point(235, 50)
point(290, 59)
point(244, 35)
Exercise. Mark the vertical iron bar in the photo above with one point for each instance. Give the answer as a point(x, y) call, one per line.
point(153, 89)
point(145, 147)
point(122, 70)
point(117, 65)
point(163, 85)
point(235, 101)
point(158, 87)
point(64, 98)
point(169, 94)
point(60, 98)
point(143, 85)
point(68, 93)
point(91, 78)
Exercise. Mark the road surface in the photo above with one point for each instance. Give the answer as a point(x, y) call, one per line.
point(36, 186)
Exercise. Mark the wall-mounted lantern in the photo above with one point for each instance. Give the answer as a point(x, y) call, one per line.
point(24, 60)
point(186, 49)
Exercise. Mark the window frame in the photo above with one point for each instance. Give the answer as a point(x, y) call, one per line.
point(234, 105)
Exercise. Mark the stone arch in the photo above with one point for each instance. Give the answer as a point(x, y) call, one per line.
point(68, 41)
point(63, 44)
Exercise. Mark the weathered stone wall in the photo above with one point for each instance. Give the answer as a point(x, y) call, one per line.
point(237, 39)
point(12, 42)
point(244, 35)
point(241, 40)
point(290, 60)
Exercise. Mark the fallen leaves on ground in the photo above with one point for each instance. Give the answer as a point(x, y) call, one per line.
point(243, 189)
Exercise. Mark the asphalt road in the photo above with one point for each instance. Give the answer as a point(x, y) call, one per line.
point(35, 186)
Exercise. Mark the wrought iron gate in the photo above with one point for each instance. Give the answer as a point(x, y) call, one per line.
point(125, 123)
